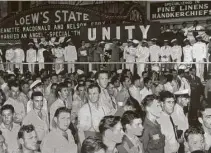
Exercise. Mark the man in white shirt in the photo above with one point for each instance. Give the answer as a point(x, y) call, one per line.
point(147, 90)
point(142, 55)
point(60, 139)
point(154, 51)
point(129, 54)
point(40, 57)
point(9, 56)
point(70, 55)
point(18, 105)
point(27, 137)
point(200, 55)
point(38, 117)
point(102, 80)
point(134, 90)
point(204, 119)
point(187, 52)
point(9, 129)
point(19, 57)
point(165, 53)
point(176, 53)
point(31, 57)
point(91, 113)
point(168, 128)
point(179, 117)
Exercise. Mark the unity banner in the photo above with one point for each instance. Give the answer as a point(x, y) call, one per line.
point(122, 32)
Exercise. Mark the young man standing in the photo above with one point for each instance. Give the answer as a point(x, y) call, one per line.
point(28, 139)
point(153, 139)
point(9, 129)
point(60, 139)
point(133, 128)
point(38, 117)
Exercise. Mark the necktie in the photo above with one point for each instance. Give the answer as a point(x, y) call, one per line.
point(65, 135)
point(113, 103)
point(40, 114)
point(174, 127)
point(65, 103)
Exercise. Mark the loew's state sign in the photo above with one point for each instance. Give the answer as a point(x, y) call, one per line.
point(121, 32)
point(179, 9)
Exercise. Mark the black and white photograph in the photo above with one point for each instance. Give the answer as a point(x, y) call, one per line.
point(105, 76)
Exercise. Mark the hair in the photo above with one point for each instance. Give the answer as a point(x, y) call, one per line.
point(193, 130)
point(101, 72)
point(114, 79)
point(62, 110)
point(80, 85)
point(59, 88)
point(192, 68)
point(108, 122)
point(54, 74)
point(25, 128)
point(13, 84)
point(94, 86)
point(132, 102)
point(143, 73)
point(166, 94)
point(135, 77)
point(92, 145)
point(202, 108)
point(54, 84)
point(146, 80)
point(109, 83)
point(35, 94)
point(128, 117)
point(8, 107)
point(3, 96)
point(169, 77)
point(148, 100)
point(180, 71)
point(123, 78)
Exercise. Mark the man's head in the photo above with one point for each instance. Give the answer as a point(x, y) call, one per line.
point(14, 90)
point(81, 89)
point(37, 98)
point(7, 113)
point(195, 139)
point(62, 118)
point(204, 116)
point(126, 82)
point(174, 73)
point(144, 74)
point(93, 145)
point(25, 87)
point(136, 80)
point(148, 82)
point(168, 102)
point(184, 24)
point(181, 72)
point(37, 86)
point(192, 71)
point(54, 78)
point(60, 77)
point(53, 88)
point(163, 79)
point(152, 105)
point(94, 93)
point(62, 91)
point(132, 123)
point(111, 129)
point(28, 138)
point(110, 89)
point(182, 97)
point(115, 81)
point(102, 79)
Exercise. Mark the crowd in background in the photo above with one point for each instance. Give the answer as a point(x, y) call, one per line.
point(130, 108)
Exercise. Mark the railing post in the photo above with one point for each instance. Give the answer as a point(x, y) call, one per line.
point(90, 66)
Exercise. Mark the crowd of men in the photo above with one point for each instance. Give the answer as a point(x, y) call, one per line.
point(132, 108)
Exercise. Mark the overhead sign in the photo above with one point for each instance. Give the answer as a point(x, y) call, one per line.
point(179, 9)
point(53, 20)
point(122, 32)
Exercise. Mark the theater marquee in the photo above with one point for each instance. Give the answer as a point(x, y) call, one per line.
point(179, 9)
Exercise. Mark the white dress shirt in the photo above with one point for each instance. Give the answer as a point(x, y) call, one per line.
point(142, 54)
point(179, 118)
point(55, 142)
point(171, 144)
point(176, 53)
point(135, 93)
point(207, 137)
point(188, 53)
point(154, 52)
point(165, 51)
point(31, 55)
point(199, 51)
point(168, 87)
point(70, 53)
point(144, 92)
point(19, 55)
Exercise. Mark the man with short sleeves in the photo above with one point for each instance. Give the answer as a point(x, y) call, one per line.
point(9, 129)
point(19, 57)
point(31, 57)
point(200, 55)
point(70, 55)
point(60, 139)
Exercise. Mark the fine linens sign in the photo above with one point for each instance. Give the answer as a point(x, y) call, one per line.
point(179, 9)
